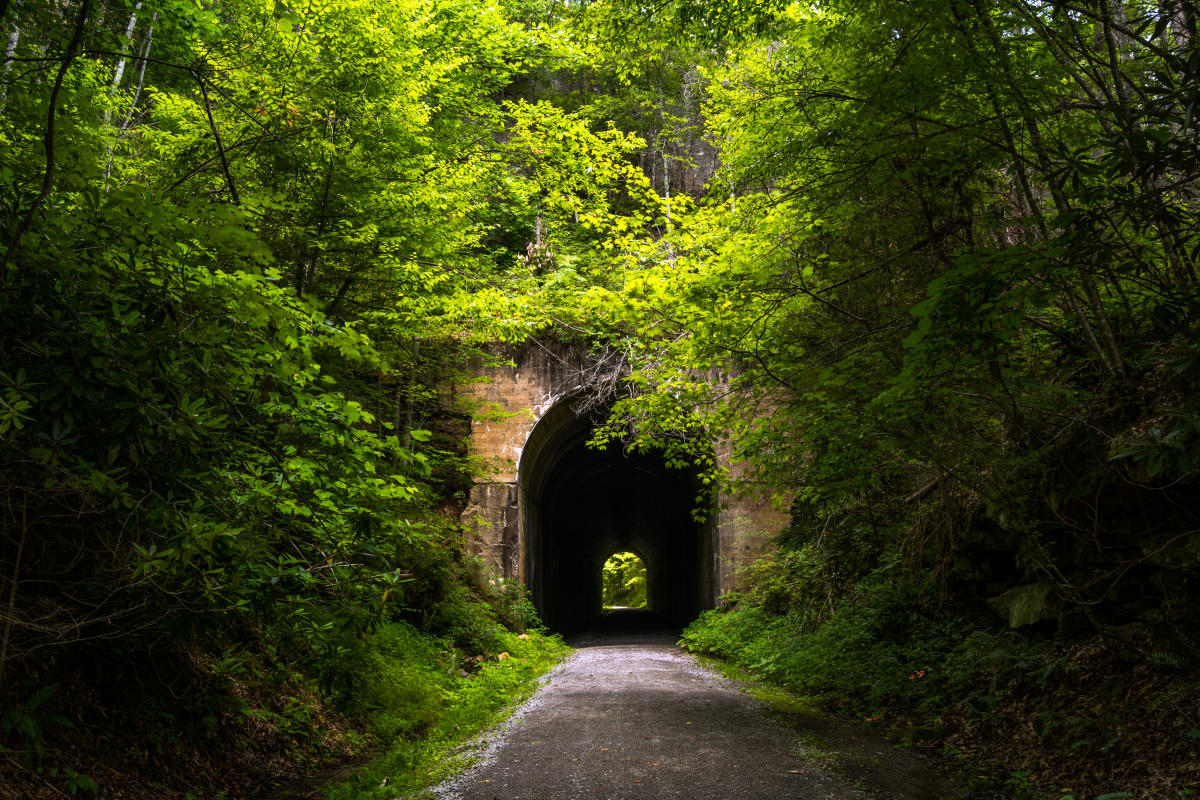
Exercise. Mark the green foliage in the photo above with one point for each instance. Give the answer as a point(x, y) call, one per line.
point(892, 652)
point(243, 249)
point(889, 651)
point(423, 703)
point(465, 619)
point(25, 722)
point(929, 269)
point(623, 581)
point(515, 608)
point(863, 655)
point(942, 283)
point(213, 316)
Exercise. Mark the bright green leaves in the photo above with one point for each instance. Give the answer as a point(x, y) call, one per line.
point(16, 402)
point(623, 581)
point(931, 236)
point(227, 392)
point(932, 247)
point(573, 167)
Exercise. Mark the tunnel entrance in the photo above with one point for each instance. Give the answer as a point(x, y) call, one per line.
point(580, 505)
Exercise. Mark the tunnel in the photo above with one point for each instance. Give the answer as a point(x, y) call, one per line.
point(579, 505)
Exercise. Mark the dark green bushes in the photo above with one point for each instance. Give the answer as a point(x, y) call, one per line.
point(422, 701)
point(1095, 714)
point(862, 655)
point(186, 460)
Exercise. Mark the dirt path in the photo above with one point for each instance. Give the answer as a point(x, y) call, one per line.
point(645, 720)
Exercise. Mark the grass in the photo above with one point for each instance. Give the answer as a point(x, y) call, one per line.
point(1099, 714)
point(424, 701)
point(779, 699)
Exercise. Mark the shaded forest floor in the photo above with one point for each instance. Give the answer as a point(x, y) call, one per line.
point(166, 729)
point(153, 727)
point(1011, 717)
point(1097, 716)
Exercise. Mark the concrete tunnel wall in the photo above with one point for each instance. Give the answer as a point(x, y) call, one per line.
point(580, 505)
point(517, 515)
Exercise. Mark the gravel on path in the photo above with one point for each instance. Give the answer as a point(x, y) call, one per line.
point(642, 720)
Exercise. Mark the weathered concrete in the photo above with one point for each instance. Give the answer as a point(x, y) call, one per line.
point(526, 440)
point(507, 401)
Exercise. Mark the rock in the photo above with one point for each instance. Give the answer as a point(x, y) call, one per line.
point(1025, 605)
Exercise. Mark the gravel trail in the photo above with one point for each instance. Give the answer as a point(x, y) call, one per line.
point(642, 720)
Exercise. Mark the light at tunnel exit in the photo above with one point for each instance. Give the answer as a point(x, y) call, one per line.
point(623, 580)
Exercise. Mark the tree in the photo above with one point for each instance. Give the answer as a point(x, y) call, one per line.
point(624, 581)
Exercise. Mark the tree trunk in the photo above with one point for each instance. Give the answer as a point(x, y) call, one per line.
point(120, 70)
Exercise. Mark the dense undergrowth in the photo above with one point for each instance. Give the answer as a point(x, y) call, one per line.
point(1100, 715)
point(239, 716)
point(424, 704)
point(237, 243)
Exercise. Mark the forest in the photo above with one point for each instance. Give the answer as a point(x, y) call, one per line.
point(943, 252)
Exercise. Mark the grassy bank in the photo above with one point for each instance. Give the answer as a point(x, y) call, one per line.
point(1100, 716)
point(423, 699)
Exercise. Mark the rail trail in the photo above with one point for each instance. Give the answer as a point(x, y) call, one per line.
point(631, 715)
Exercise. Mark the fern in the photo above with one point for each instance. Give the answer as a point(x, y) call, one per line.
point(1170, 659)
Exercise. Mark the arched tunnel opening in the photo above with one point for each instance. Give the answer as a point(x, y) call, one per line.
point(579, 505)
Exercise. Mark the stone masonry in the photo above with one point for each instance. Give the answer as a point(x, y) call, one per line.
point(507, 401)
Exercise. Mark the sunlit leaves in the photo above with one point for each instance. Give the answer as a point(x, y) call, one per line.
point(215, 350)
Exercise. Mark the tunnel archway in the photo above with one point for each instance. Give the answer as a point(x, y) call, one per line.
point(579, 505)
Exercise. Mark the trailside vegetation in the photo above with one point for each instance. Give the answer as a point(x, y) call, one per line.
point(238, 244)
point(928, 269)
point(946, 270)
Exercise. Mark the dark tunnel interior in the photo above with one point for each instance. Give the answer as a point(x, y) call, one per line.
point(580, 505)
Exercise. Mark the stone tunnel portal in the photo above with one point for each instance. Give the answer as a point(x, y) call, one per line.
point(580, 505)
